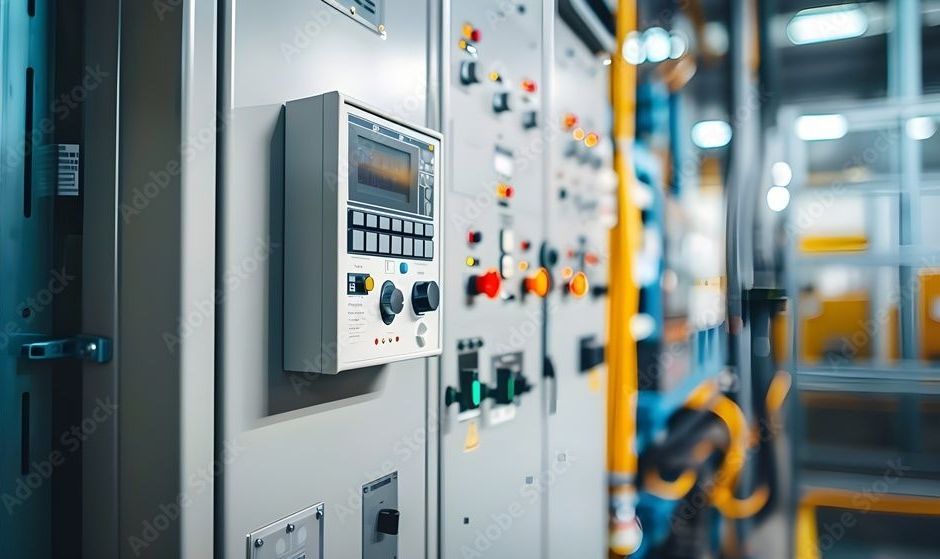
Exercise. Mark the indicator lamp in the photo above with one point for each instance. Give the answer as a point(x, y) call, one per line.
point(467, 31)
point(505, 191)
point(569, 121)
point(476, 35)
point(523, 266)
point(567, 272)
point(529, 86)
point(591, 140)
point(474, 237)
point(578, 134)
point(495, 77)
point(471, 261)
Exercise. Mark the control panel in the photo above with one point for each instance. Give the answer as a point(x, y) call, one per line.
point(362, 236)
point(491, 370)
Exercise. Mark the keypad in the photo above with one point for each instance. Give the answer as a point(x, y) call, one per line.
point(382, 235)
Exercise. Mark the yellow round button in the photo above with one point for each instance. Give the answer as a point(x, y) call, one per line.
point(369, 283)
point(578, 285)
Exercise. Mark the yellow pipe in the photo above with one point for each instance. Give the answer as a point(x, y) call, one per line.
point(623, 301)
point(672, 490)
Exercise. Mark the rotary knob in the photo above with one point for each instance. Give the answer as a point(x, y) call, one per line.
point(425, 296)
point(391, 302)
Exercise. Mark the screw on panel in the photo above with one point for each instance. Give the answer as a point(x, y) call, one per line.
point(319, 514)
point(259, 542)
point(290, 528)
point(381, 28)
point(352, 10)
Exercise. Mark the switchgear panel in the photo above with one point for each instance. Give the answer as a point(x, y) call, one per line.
point(362, 236)
point(580, 209)
point(491, 371)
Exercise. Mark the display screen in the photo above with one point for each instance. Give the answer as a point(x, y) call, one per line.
point(384, 168)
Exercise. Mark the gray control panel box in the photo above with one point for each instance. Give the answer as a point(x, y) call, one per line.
point(362, 237)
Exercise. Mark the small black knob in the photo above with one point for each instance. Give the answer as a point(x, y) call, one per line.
point(387, 522)
point(501, 102)
point(425, 296)
point(548, 256)
point(391, 302)
point(530, 120)
point(468, 73)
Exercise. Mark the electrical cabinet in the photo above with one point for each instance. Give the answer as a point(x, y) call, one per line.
point(580, 209)
point(492, 484)
point(296, 437)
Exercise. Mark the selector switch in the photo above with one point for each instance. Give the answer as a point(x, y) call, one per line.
point(425, 296)
point(470, 394)
point(469, 73)
point(500, 102)
point(505, 391)
point(391, 302)
point(387, 522)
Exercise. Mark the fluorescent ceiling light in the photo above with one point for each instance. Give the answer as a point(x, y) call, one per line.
point(658, 44)
point(710, 134)
point(811, 128)
point(778, 198)
point(781, 173)
point(828, 23)
point(921, 128)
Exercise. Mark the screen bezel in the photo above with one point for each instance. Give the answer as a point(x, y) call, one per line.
point(369, 194)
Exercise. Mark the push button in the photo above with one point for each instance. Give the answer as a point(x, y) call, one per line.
point(396, 245)
point(408, 248)
point(357, 240)
point(358, 219)
point(372, 241)
point(385, 246)
point(409, 227)
point(419, 248)
point(429, 249)
point(372, 221)
point(428, 230)
point(419, 229)
point(385, 224)
point(396, 225)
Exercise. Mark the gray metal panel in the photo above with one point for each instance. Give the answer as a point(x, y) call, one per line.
point(491, 492)
point(577, 436)
point(305, 438)
point(100, 537)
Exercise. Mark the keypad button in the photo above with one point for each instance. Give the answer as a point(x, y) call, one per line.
point(428, 230)
point(385, 244)
point(372, 241)
point(372, 221)
point(396, 225)
point(357, 240)
point(419, 248)
point(385, 223)
point(357, 219)
point(396, 245)
point(408, 247)
point(429, 249)
point(419, 229)
point(409, 227)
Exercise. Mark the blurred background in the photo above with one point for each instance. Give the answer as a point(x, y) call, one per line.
point(799, 139)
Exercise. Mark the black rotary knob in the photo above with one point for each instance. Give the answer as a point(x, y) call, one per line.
point(391, 302)
point(425, 296)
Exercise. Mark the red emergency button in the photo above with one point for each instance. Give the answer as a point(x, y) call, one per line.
point(487, 283)
point(529, 86)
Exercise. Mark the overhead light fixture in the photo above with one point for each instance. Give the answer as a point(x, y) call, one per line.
point(678, 45)
point(710, 134)
point(633, 51)
point(781, 174)
point(921, 128)
point(827, 23)
point(814, 128)
point(778, 198)
point(658, 44)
